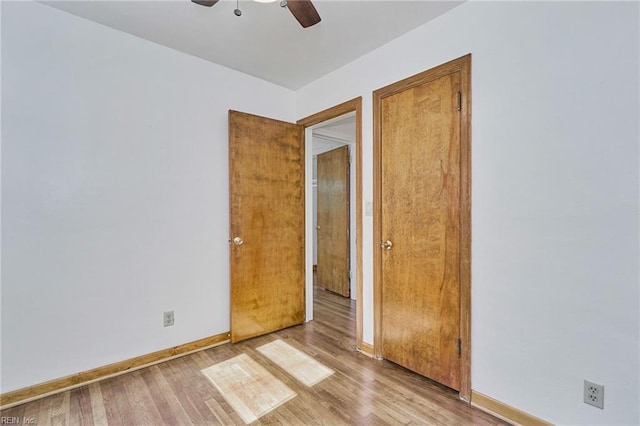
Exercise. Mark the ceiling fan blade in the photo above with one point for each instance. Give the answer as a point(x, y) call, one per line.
point(304, 11)
point(207, 3)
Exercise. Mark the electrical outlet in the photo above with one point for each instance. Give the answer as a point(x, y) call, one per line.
point(594, 394)
point(168, 318)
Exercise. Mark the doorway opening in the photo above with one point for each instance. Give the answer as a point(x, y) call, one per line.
point(325, 131)
point(333, 144)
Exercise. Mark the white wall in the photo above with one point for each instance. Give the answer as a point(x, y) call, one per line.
point(115, 193)
point(555, 270)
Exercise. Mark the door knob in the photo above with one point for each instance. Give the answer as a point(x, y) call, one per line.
point(386, 244)
point(237, 241)
point(317, 227)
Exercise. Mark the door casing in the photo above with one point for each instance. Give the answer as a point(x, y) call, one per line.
point(462, 65)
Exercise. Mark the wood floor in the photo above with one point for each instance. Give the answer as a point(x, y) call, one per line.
point(362, 391)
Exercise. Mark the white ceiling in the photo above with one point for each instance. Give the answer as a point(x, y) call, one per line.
point(266, 41)
point(334, 134)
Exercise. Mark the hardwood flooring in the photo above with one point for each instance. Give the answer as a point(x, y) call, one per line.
point(306, 369)
point(362, 391)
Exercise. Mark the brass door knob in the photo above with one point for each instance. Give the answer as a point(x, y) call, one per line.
point(237, 241)
point(386, 244)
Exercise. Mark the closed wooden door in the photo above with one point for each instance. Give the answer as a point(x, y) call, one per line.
point(333, 221)
point(420, 225)
point(267, 225)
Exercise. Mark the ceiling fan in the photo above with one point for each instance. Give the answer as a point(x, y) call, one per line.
point(303, 10)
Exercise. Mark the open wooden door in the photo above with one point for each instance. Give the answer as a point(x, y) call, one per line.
point(266, 174)
point(333, 221)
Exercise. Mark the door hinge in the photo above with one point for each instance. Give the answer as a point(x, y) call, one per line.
point(459, 348)
point(459, 101)
point(349, 159)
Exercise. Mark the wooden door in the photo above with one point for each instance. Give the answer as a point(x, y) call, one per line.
point(333, 221)
point(266, 173)
point(419, 224)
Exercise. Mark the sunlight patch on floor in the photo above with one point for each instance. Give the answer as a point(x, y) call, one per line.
point(304, 368)
point(248, 388)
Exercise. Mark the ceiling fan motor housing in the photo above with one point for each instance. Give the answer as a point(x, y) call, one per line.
point(303, 10)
